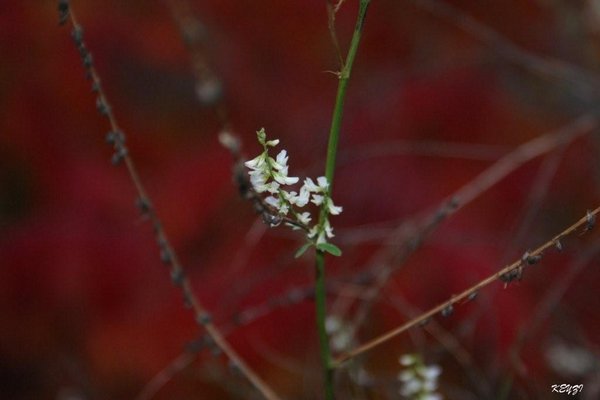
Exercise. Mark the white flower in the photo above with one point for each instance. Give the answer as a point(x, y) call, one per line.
point(282, 158)
point(272, 187)
point(419, 381)
point(407, 359)
point(406, 375)
point(272, 201)
point(340, 333)
point(323, 184)
point(256, 162)
point(310, 185)
point(410, 388)
point(259, 181)
point(268, 175)
point(304, 218)
point(317, 199)
point(431, 373)
point(320, 187)
point(302, 199)
point(328, 229)
point(431, 396)
point(332, 208)
point(283, 179)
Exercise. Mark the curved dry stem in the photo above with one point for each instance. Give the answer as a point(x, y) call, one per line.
point(168, 255)
point(391, 258)
point(506, 274)
point(585, 82)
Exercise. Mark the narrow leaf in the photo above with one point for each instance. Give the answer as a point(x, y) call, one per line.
point(330, 248)
point(302, 250)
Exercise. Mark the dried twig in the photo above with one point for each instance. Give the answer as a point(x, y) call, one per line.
point(392, 257)
point(507, 274)
point(585, 82)
point(116, 138)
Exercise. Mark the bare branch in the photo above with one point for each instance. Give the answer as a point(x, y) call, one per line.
point(506, 274)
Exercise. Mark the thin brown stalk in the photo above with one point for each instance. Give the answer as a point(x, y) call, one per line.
point(506, 274)
point(586, 82)
point(393, 256)
point(448, 341)
point(168, 255)
point(332, 9)
point(165, 375)
point(548, 304)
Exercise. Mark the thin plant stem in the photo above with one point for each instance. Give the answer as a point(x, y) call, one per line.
point(321, 311)
point(344, 77)
point(334, 135)
point(506, 274)
point(168, 254)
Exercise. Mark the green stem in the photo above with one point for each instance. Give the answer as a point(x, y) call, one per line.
point(334, 134)
point(321, 310)
point(344, 76)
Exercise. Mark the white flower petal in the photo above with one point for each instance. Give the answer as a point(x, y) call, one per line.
point(323, 184)
point(310, 185)
point(406, 375)
point(285, 180)
point(431, 373)
point(407, 360)
point(333, 323)
point(274, 164)
point(304, 218)
point(411, 387)
point(429, 386)
point(333, 209)
point(317, 199)
point(431, 396)
point(303, 197)
point(256, 162)
point(282, 158)
point(272, 187)
point(272, 201)
point(328, 229)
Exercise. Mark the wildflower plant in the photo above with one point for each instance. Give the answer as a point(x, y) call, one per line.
point(419, 381)
point(269, 177)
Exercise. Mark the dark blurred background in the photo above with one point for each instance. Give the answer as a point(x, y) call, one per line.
point(87, 310)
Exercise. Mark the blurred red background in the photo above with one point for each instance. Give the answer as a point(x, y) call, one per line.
point(87, 309)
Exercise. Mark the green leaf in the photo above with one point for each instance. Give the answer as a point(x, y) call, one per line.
point(302, 249)
point(330, 248)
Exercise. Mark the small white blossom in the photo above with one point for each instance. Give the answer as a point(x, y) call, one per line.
point(340, 333)
point(317, 199)
point(304, 218)
point(321, 186)
point(282, 159)
point(332, 208)
point(256, 162)
point(407, 359)
point(419, 381)
point(328, 229)
point(272, 201)
point(270, 175)
point(431, 373)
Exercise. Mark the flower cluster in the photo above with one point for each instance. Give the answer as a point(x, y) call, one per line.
point(270, 176)
point(341, 334)
point(419, 381)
